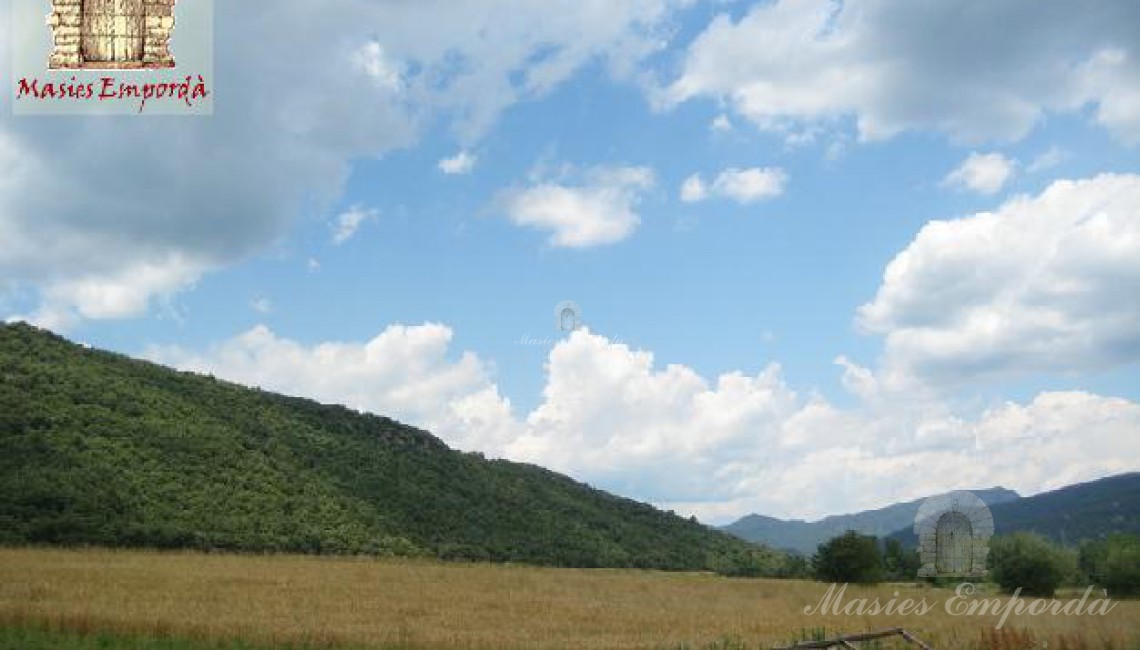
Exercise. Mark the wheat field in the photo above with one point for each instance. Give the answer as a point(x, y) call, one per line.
point(353, 602)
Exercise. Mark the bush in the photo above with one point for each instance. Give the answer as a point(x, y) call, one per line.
point(794, 565)
point(850, 557)
point(1030, 562)
point(1113, 563)
point(900, 563)
point(752, 563)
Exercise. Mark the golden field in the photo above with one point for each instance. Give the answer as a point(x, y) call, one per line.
point(424, 604)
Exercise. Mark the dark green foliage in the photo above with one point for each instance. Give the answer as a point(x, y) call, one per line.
point(1030, 562)
point(794, 565)
point(900, 563)
point(750, 563)
point(96, 448)
point(850, 557)
point(1113, 563)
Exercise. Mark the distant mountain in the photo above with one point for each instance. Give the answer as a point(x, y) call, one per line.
point(1067, 515)
point(804, 537)
point(97, 448)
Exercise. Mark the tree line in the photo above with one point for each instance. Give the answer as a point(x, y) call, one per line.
point(1022, 560)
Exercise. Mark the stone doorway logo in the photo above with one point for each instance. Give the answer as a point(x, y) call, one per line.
point(567, 316)
point(111, 34)
point(100, 57)
point(953, 532)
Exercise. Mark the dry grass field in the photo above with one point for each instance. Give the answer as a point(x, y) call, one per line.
point(422, 604)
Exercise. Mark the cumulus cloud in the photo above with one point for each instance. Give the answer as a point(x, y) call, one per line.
point(741, 185)
point(119, 291)
point(168, 200)
point(982, 173)
point(794, 66)
point(596, 211)
point(349, 221)
point(1036, 286)
point(404, 372)
point(461, 163)
point(717, 447)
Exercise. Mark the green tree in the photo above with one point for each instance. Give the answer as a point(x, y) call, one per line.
point(794, 565)
point(898, 562)
point(850, 557)
point(1030, 562)
point(1113, 563)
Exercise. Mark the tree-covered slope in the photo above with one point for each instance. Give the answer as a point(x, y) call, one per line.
point(1091, 510)
point(96, 448)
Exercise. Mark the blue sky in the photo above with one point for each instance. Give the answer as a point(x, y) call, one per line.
point(750, 346)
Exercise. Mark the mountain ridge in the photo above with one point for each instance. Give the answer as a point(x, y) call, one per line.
point(804, 536)
point(1086, 510)
point(1069, 514)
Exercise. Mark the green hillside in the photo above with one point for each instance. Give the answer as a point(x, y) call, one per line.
point(96, 448)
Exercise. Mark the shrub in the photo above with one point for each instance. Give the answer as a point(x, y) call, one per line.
point(1113, 563)
point(900, 563)
point(1030, 562)
point(850, 557)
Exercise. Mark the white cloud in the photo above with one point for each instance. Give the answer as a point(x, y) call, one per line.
point(982, 173)
point(717, 447)
point(1046, 160)
point(721, 124)
point(120, 292)
point(694, 189)
point(386, 72)
point(796, 65)
point(262, 305)
point(404, 372)
point(374, 75)
point(461, 163)
point(1039, 285)
point(349, 221)
point(599, 210)
point(741, 185)
point(750, 185)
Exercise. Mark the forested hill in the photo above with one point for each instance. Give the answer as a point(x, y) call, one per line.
point(1067, 515)
point(804, 537)
point(97, 448)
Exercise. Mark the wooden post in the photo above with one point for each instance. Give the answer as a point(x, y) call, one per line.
point(848, 640)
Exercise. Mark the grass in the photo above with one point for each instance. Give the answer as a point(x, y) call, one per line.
point(188, 601)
